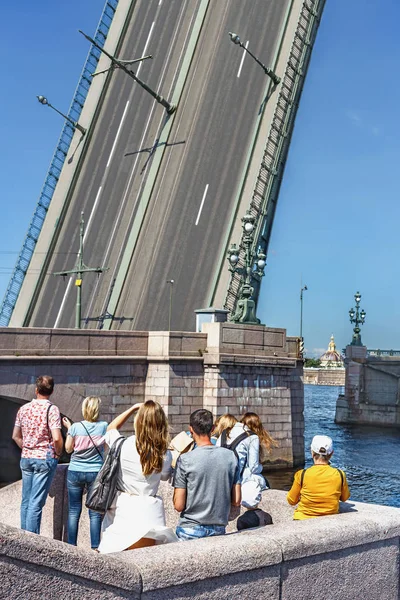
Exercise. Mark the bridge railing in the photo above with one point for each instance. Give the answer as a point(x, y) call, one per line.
point(56, 165)
point(383, 352)
point(269, 178)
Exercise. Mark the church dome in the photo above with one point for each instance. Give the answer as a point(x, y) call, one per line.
point(331, 358)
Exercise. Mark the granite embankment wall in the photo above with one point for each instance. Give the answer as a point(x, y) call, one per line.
point(372, 390)
point(226, 368)
point(315, 376)
point(351, 555)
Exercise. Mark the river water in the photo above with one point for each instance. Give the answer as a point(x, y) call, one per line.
point(368, 455)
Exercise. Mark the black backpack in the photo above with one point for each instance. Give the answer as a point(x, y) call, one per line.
point(104, 486)
point(232, 446)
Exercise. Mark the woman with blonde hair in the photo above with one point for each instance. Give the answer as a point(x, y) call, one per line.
point(136, 517)
point(225, 423)
point(86, 442)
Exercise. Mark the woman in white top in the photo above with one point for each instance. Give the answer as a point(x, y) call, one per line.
point(136, 517)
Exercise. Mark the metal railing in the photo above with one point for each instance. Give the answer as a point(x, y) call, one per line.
point(56, 165)
point(383, 352)
point(266, 190)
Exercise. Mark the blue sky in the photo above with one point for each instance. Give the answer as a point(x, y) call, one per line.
point(337, 221)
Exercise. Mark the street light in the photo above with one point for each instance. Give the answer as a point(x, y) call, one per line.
point(126, 62)
point(75, 124)
point(253, 265)
point(236, 40)
point(171, 282)
point(121, 64)
point(80, 270)
point(303, 289)
point(358, 318)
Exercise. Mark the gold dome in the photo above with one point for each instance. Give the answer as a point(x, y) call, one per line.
point(331, 358)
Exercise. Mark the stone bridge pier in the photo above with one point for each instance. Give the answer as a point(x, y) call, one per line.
point(372, 388)
point(226, 368)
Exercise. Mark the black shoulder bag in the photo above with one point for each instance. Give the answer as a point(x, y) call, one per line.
point(104, 486)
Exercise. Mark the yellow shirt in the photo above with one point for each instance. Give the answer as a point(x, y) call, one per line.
point(320, 494)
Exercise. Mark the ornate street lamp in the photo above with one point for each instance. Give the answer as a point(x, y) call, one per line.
point(253, 265)
point(236, 40)
point(357, 317)
point(75, 124)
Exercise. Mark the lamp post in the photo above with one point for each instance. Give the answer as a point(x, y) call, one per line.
point(303, 289)
point(357, 317)
point(253, 265)
point(171, 283)
point(121, 64)
point(79, 271)
point(75, 124)
point(236, 40)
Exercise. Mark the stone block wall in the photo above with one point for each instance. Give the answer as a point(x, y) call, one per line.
point(276, 394)
point(372, 389)
point(315, 376)
point(178, 387)
point(226, 368)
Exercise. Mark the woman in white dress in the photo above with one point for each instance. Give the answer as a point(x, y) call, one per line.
point(136, 517)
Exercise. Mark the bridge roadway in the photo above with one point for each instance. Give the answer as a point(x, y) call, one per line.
point(196, 184)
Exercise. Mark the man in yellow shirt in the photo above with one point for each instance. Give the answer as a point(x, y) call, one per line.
point(318, 489)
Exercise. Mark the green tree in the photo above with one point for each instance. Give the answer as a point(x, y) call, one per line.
point(312, 362)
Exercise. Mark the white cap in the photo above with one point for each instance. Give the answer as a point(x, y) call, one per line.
point(322, 444)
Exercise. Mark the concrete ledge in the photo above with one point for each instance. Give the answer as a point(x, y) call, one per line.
point(36, 341)
point(178, 564)
point(351, 555)
point(31, 560)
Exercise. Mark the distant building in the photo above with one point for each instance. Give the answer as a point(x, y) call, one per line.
point(331, 370)
point(332, 358)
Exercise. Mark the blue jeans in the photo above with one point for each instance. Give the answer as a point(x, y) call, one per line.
point(37, 475)
point(76, 483)
point(199, 531)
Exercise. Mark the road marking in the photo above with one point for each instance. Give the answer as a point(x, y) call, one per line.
point(117, 136)
point(201, 205)
point(159, 128)
point(122, 206)
point(62, 303)
point(127, 104)
point(130, 245)
point(145, 46)
point(71, 278)
point(242, 61)
point(91, 214)
point(159, 4)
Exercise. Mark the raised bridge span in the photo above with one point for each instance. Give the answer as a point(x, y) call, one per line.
point(163, 195)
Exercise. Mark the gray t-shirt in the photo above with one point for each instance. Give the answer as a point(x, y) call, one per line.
point(207, 474)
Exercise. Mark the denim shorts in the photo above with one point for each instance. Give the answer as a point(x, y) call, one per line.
point(195, 532)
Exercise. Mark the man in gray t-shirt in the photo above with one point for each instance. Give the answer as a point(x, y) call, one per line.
point(206, 483)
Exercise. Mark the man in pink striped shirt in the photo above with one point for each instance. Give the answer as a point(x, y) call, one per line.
point(37, 431)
